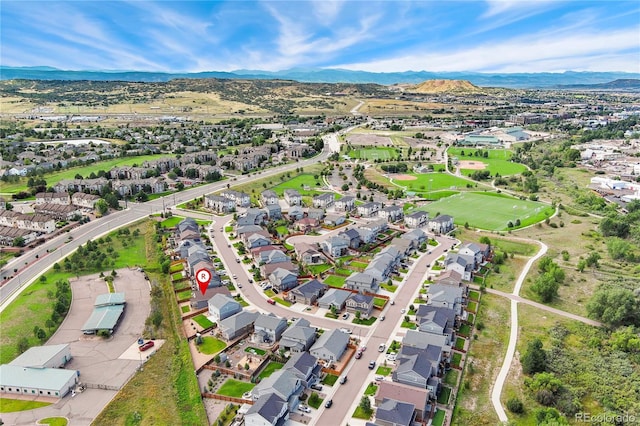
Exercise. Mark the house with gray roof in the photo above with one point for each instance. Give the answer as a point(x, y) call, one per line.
point(240, 198)
point(395, 413)
point(257, 240)
point(369, 209)
point(267, 328)
point(283, 383)
point(418, 236)
point(335, 246)
point(437, 346)
point(391, 213)
point(272, 256)
point(362, 282)
point(222, 306)
point(419, 398)
point(237, 326)
point(436, 320)
point(274, 211)
point(323, 200)
point(248, 229)
point(269, 197)
point(415, 368)
point(346, 203)
point(308, 292)
point(334, 297)
point(292, 197)
point(447, 296)
point(299, 337)
point(330, 346)
point(480, 252)
point(309, 254)
point(461, 263)
point(269, 410)
point(362, 303)
point(334, 219)
point(450, 277)
point(295, 213)
point(315, 213)
point(353, 236)
point(304, 366)
point(269, 268)
point(376, 226)
point(416, 219)
point(283, 280)
point(366, 236)
point(441, 224)
point(252, 216)
point(219, 204)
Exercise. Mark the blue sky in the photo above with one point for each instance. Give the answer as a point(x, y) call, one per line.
point(385, 36)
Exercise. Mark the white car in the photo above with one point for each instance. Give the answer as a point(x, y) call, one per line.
point(346, 330)
point(391, 357)
point(304, 408)
point(379, 378)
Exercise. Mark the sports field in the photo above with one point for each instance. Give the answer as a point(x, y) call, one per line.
point(425, 182)
point(488, 210)
point(374, 153)
point(498, 160)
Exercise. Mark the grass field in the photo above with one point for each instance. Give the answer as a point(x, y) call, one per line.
point(54, 421)
point(203, 321)
point(334, 281)
point(211, 345)
point(489, 211)
point(374, 153)
point(270, 368)
point(235, 388)
point(498, 160)
point(173, 221)
point(8, 405)
point(427, 182)
point(85, 171)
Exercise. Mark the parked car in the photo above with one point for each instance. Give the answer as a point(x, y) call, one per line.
point(345, 316)
point(391, 356)
point(363, 348)
point(382, 347)
point(393, 302)
point(316, 386)
point(346, 330)
point(342, 380)
point(372, 365)
point(382, 318)
point(402, 311)
point(358, 355)
point(304, 408)
point(143, 347)
point(329, 403)
point(271, 301)
point(379, 378)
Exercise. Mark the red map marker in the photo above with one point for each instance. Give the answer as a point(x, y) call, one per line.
point(203, 276)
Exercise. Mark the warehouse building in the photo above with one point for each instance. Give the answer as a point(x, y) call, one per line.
point(107, 311)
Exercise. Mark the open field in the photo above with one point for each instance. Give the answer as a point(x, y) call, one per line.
point(8, 405)
point(498, 160)
point(424, 183)
point(373, 154)
point(489, 210)
point(84, 171)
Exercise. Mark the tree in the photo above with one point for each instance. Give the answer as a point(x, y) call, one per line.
point(365, 404)
point(23, 344)
point(534, 360)
point(615, 307)
point(18, 242)
point(546, 287)
point(545, 386)
point(515, 406)
point(102, 207)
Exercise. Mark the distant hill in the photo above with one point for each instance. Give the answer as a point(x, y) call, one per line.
point(318, 75)
point(626, 84)
point(444, 86)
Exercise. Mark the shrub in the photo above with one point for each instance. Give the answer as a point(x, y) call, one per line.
point(515, 406)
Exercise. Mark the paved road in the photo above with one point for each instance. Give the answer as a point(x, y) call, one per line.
point(33, 263)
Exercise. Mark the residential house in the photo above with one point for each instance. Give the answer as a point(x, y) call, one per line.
point(376, 226)
point(87, 201)
point(252, 217)
point(417, 236)
point(436, 320)
point(391, 213)
point(335, 246)
point(200, 301)
point(449, 277)
point(448, 296)
point(414, 367)
point(272, 256)
point(345, 204)
point(366, 236)
point(461, 263)
point(308, 292)
point(308, 254)
point(427, 342)
point(335, 298)
point(307, 224)
point(369, 209)
point(323, 200)
point(257, 240)
point(269, 197)
point(391, 412)
point(219, 204)
point(283, 280)
point(315, 213)
point(304, 366)
point(404, 246)
point(330, 346)
point(295, 213)
point(333, 219)
point(53, 198)
point(364, 283)
point(360, 303)
point(299, 337)
point(222, 306)
point(419, 398)
point(240, 198)
point(58, 211)
point(282, 383)
point(247, 230)
point(480, 252)
point(267, 328)
point(269, 268)
point(353, 236)
point(274, 211)
point(292, 197)
point(441, 224)
point(416, 219)
point(237, 326)
point(271, 410)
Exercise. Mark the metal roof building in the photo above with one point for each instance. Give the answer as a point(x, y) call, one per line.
point(109, 299)
point(107, 311)
point(50, 356)
point(54, 382)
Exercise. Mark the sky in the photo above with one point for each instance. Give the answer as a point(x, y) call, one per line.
point(493, 36)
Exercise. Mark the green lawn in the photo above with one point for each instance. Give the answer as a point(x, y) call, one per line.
point(203, 321)
point(282, 301)
point(8, 405)
point(184, 294)
point(314, 400)
point(185, 308)
point(498, 160)
point(456, 359)
point(371, 389)
point(361, 414)
point(334, 281)
point(299, 183)
point(459, 345)
point(269, 369)
point(379, 302)
point(445, 393)
point(438, 418)
point(85, 171)
point(489, 211)
point(54, 421)
point(235, 388)
point(474, 295)
point(465, 329)
point(374, 153)
point(211, 345)
point(330, 380)
point(318, 269)
point(360, 265)
point(176, 268)
point(384, 371)
point(430, 184)
point(367, 321)
point(451, 378)
point(255, 351)
point(472, 306)
point(176, 276)
point(392, 288)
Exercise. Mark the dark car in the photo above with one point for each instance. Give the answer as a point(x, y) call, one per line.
point(372, 365)
point(143, 347)
point(329, 403)
point(316, 386)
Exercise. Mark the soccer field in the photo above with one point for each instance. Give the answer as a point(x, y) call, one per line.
point(489, 211)
point(374, 153)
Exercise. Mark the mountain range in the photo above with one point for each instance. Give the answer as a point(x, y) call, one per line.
point(568, 79)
